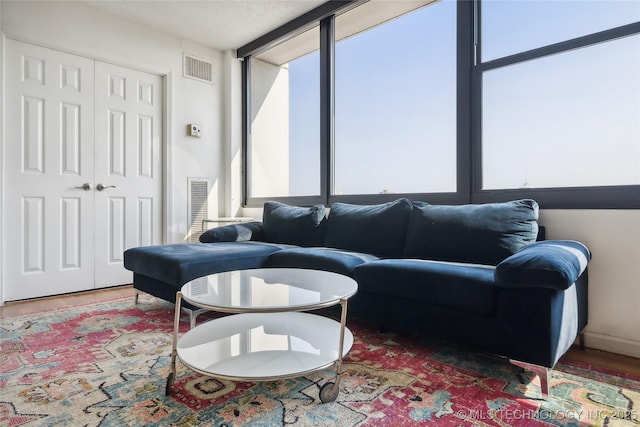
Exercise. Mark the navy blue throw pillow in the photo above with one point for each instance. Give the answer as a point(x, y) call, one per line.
point(293, 225)
point(483, 233)
point(234, 233)
point(373, 229)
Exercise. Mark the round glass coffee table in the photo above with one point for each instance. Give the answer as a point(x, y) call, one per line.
point(269, 336)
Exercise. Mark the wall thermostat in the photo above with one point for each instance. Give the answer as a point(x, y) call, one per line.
point(194, 130)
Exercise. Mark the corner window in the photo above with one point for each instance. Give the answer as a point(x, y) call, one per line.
point(447, 101)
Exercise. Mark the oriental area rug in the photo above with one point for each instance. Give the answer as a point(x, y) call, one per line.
point(106, 364)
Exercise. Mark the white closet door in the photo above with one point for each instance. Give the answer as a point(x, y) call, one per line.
point(128, 164)
point(49, 220)
point(83, 166)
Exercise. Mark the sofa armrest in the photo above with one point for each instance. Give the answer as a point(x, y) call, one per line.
point(235, 233)
point(548, 264)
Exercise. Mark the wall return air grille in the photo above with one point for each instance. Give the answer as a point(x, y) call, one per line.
point(198, 206)
point(198, 69)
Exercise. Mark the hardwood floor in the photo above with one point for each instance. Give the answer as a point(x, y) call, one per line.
point(61, 301)
point(616, 362)
point(612, 361)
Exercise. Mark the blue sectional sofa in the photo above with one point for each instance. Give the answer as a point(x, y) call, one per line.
point(475, 275)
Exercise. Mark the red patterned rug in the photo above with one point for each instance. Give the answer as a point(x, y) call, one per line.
point(106, 365)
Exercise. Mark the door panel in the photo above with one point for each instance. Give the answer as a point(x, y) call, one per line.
point(128, 140)
point(49, 153)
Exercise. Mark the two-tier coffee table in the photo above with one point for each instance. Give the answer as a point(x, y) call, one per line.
point(269, 336)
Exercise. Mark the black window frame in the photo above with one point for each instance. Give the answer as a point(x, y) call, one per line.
point(469, 71)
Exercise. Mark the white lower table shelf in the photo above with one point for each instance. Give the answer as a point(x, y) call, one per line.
point(263, 346)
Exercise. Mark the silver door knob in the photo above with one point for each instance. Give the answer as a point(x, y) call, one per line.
point(86, 186)
point(101, 187)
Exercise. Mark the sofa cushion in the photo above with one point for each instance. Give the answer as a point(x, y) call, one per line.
point(550, 264)
point(327, 259)
point(484, 233)
point(293, 225)
point(375, 229)
point(178, 263)
point(468, 288)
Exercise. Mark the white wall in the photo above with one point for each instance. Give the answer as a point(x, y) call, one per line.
point(2, 127)
point(270, 129)
point(83, 30)
point(614, 272)
point(231, 192)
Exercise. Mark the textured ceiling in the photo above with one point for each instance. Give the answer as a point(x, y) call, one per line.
point(221, 24)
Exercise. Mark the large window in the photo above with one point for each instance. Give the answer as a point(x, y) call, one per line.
point(388, 136)
point(565, 120)
point(395, 113)
point(449, 102)
point(560, 108)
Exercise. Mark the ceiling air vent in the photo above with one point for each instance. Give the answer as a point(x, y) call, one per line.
point(195, 68)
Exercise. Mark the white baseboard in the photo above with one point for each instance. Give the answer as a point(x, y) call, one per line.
point(612, 344)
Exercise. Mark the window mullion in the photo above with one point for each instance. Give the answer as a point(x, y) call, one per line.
point(327, 105)
point(246, 128)
point(560, 47)
point(467, 106)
